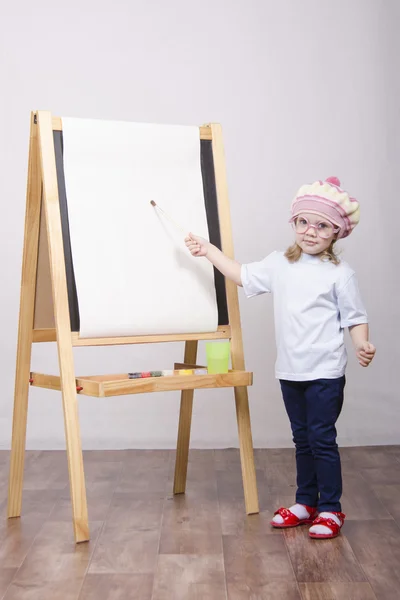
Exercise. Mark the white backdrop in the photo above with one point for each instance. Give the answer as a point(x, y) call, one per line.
point(303, 90)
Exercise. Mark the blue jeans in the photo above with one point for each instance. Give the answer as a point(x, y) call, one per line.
point(313, 408)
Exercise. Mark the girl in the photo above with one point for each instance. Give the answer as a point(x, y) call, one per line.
point(316, 297)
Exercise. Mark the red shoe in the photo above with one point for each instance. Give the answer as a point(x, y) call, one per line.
point(291, 520)
point(330, 523)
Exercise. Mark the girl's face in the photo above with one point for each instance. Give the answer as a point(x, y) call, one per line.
point(314, 234)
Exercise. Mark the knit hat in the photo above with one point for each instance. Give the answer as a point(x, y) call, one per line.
point(327, 199)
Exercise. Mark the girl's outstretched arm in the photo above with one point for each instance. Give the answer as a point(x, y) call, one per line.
point(227, 266)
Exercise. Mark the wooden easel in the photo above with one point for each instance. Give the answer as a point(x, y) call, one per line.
point(43, 241)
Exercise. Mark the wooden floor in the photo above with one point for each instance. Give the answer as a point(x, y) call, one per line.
point(148, 545)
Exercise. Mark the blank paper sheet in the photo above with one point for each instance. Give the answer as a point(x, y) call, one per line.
point(134, 274)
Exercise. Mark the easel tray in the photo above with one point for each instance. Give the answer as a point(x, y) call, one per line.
point(101, 386)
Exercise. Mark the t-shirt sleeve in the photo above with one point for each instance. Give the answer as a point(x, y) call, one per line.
point(257, 277)
point(351, 307)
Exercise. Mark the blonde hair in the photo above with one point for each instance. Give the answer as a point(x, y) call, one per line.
point(293, 254)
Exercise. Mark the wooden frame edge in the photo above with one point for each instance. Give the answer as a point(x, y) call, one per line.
point(205, 130)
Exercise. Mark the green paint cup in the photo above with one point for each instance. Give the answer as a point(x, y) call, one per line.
point(218, 356)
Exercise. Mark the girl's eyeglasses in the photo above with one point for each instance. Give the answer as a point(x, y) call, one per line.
point(324, 229)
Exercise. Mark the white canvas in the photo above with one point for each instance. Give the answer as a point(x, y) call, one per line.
point(134, 275)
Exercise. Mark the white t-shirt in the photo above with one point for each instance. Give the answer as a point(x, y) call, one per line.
point(314, 301)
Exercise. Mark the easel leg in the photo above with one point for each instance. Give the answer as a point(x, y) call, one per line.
point(185, 421)
point(246, 450)
point(74, 448)
point(241, 396)
point(63, 327)
point(24, 349)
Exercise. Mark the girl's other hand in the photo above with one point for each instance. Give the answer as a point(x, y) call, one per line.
point(365, 353)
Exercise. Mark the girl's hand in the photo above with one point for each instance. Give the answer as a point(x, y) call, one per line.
point(365, 353)
point(198, 246)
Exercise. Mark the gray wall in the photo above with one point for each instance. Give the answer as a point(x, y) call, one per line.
point(303, 90)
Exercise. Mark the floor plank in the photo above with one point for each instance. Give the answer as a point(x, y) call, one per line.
point(382, 475)
point(117, 587)
point(36, 504)
point(322, 560)
point(126, 549)
point(196, 577)
point(55, 566)
point(6, 577)
point(16, 539)
point(191, 527)
point(273, 590)
point(253, 562)
point(377, 548)
point(337, 591)
point(389, 496)
point(359, 500)
point(369, 456)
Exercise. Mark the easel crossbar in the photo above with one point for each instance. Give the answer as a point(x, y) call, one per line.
point(49, 335)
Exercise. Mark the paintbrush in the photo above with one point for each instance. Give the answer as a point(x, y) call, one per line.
point(166, 215)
